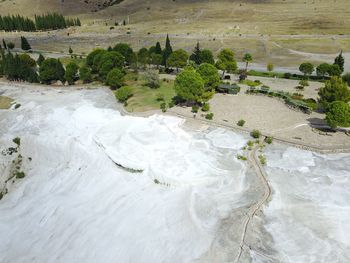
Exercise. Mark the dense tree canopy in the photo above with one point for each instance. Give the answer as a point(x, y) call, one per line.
point(178, 59)
point(338, 114)
point(126, 51)
point(85, 74)
point(210, 75)
point(189, 86)
point(306, 68)
point(226, 61)
point(71, 73)
point(115, 78)
point(334, 90)
point(51, 70)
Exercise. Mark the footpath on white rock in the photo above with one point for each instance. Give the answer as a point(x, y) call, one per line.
point(101, 187)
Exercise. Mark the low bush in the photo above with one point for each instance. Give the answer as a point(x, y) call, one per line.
point(163, 107)
point(123, 94)
point(241, 157)
point(171, 104)
point(17, 106)
point(262, 159)
point(209, 116)
point(241, 123)
point(206, 107)
point(195, 108)
point(255, 134)
point(20, 175)
point(17, 141)
point(268, 140)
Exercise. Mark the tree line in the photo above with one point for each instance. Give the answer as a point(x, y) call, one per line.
point(48, 21)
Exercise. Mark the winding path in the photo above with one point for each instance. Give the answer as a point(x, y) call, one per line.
point(254, 160)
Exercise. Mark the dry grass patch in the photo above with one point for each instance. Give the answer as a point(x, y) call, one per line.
point(5, 102)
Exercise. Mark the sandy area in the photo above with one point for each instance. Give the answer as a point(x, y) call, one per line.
point(272, 117)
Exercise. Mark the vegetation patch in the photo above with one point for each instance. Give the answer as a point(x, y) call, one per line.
point(5, 102)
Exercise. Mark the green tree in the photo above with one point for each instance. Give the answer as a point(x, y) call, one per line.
point(115, 78)
point(123, 94)
point(346, 78)
point(270, 67)
point(126, 51)
point(306, 68)
point(50, 70)
point(85, 74)
point(40, 59)
point(339, 60)
point(247, 58)
point(206, 56)
point(323, 69)
point(334, 70)
point(90, 58)
point(226, 61)
point(210, 75)
point(71, 72)
point(25, 44)
point(338, 114)
point(143, 56)
point(11, 45)
point(178, 59)
point(167, 51)
point(335, 89)
point(158, 49)
point(156, 59)
point(196, 55)
point(189, 86)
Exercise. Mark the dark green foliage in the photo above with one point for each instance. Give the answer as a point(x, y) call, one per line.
point(163, 106)
point(90, 58)
point(196, 55)
point(339, 60)
point(268, 140)
point(40, 59)
point(178, 59)
point(334, 70)
point(17, 141)
point(189, 86)
point(167, 51)
point(334, 90)
point(306, 68)
point(42, 22)
point(70, 50)
point(85, 74)
point(123, 94)
point(25, 44)
point(143, 56)
point(210, 75)
point(322, 69)
point(195, 108)
point(126, 51)
point(206, 107)
point(209, 116)
point(20, 175)
point(206, 56)
point(241, 123)
point(346, 78)
point(255, 134)
point(19, 67)
point(51, 70)
point(11, 45)
point(71, 73)
point(115, 78)
point(247, 58)
point(338, 114)
point(226, 61)
point(158, 49)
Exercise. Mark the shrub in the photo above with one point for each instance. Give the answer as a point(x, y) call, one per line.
point(152, 79)
point(206, 107)
point(262, 159)
point(209, 116)
point(20, 175)
point(17, 141)
point(255, 134)
point(241, 123)
point(17, 106)
point(160, 96)
point(123, 94)
point(241, 157)
point(287, 75)
point(171, 104)
point(163, 107)
point(115, 78)
point(195, 108)
point(268, 140)
point(303, 83)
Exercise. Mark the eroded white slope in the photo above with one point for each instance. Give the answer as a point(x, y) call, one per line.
point(77, 205)
point(309, 214)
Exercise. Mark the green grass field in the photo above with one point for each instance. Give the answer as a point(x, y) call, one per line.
point(145, 98)
point(5, 102)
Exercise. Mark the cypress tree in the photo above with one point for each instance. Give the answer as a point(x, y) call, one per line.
point(339, 60)
point(4, 43)
point(25, 44)
point(40, 59)
point(196, 55)
point(167, 51)
point(158, 49)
